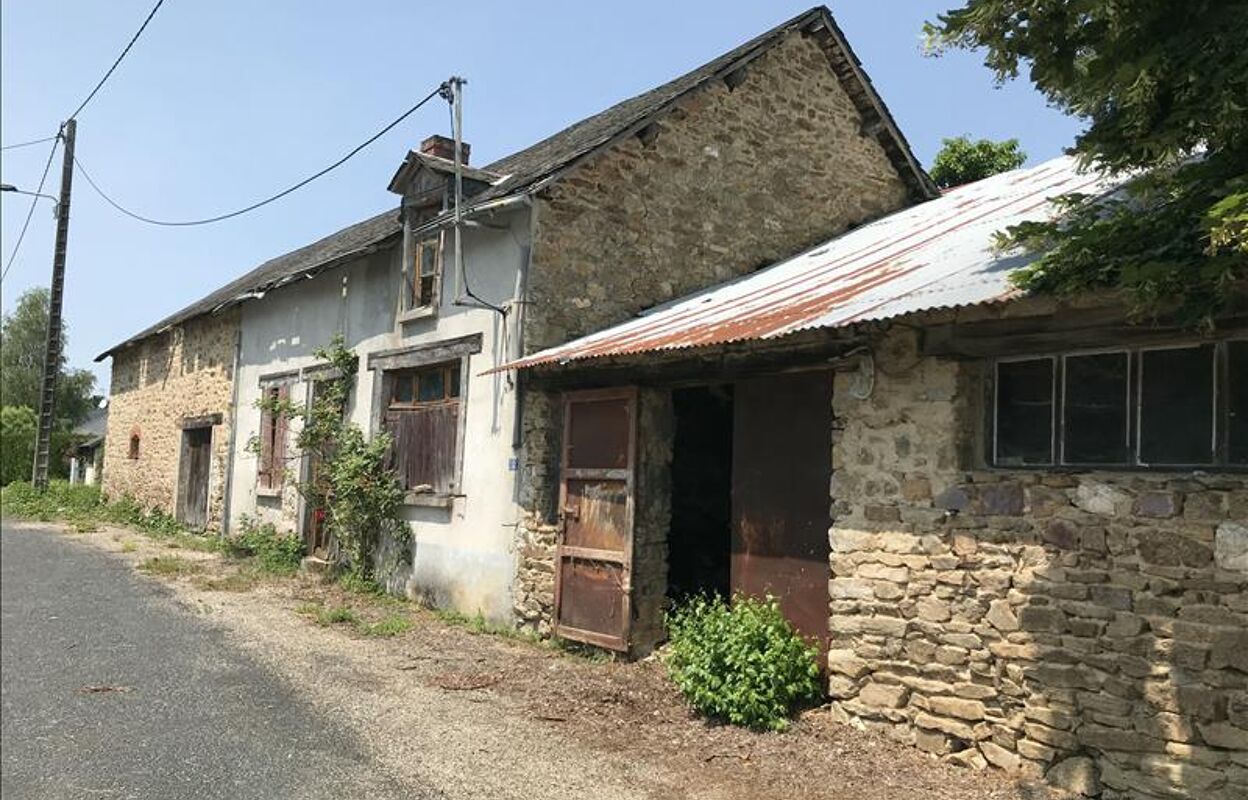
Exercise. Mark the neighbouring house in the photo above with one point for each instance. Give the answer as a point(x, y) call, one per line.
point(1016, 526)
point(169, 415)
point(88, 453)
point(762, 152)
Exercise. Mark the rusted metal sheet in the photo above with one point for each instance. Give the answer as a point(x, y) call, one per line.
point(938, 254)
point(781, 507)
point(594, 556)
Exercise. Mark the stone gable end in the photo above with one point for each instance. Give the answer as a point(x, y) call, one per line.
point(727, 181)
point(185, 373)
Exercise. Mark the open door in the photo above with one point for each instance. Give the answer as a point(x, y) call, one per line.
point(593, 579)
point(781, 503)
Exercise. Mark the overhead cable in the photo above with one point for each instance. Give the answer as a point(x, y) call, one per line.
point(42, 179)
point(27, 144)
point(116, 63)
point(267, 200)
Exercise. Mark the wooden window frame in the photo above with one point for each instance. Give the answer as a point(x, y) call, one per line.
point(412, 277)
point(386, 363)
point(1220, 457)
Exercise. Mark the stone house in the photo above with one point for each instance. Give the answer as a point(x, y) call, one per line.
point(169, 415)
point(1017, 527)
point(765, 150)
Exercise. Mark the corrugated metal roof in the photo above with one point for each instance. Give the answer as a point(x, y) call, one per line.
point(938, 254)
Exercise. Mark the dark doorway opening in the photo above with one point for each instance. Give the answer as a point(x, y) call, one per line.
point(700, 537)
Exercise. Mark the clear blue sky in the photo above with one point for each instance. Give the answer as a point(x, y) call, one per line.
point(224, 102)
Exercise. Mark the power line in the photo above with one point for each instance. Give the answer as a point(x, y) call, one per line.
point(31, 212)
point(116, 63)
point(266, 201)
point(27, 144)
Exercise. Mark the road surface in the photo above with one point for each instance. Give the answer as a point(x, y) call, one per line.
point(110, 690)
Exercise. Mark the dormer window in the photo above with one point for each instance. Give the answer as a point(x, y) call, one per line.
point(422, 273)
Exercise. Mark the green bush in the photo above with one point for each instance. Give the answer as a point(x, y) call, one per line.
point(740, 662)
point(275, 552)
point(17, 443)
point(63, 500)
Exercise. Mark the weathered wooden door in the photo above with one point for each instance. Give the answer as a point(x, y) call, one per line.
point(193, 481)
point(593, 579)
point(781, 495)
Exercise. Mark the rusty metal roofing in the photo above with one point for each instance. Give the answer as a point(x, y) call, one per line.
point(937, 254)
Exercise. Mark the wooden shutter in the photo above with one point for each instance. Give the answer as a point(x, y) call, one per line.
point(265, 472)
point(423, 451)
point(277, 469)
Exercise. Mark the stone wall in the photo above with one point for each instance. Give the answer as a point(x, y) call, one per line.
point(156, 384)
point(733, 180)
point(1088, 625)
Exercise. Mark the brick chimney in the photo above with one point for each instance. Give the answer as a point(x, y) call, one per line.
point(442, 147)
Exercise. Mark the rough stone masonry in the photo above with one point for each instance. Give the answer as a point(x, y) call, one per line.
point(1092, 626)
point(733, 179)
point(186, 372)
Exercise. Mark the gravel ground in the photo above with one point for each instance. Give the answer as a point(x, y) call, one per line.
point(487, 716)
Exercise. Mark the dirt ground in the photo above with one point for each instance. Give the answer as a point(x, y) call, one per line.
point(483, 716)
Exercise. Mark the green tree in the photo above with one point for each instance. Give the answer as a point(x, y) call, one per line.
point(1163, 88)
point(961, 160)
point(22, 339)
point(17, 443)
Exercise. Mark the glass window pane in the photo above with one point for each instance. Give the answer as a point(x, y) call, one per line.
point(454, 370)
point(1095, 409)
point(432, 385)
point(1025, 412)
point(1176, 406)
point(426, 290)
point(1237, 402)
point(428, 257)
point(403, 388)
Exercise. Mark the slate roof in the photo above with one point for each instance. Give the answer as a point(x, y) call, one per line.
point(529, 169)
point(354, 240)
point(534, 165)
point(93, 426)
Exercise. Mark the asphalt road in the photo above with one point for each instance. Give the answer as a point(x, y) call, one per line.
point(197, 718)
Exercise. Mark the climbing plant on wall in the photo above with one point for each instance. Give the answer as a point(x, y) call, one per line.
point(354, 484)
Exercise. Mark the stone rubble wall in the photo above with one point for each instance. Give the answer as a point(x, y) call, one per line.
point(1090, 625)
point(156, 384)
point(732, 181)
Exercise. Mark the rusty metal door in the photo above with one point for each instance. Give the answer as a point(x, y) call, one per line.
point(781, 495)
point(593, 579)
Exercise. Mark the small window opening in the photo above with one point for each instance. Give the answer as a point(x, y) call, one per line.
point(421, 276)
point(134, 446)
point(1025, 411)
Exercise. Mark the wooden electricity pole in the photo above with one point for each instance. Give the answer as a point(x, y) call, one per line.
point(52, 353)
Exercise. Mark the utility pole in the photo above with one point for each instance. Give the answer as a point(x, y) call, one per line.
point(52, 353)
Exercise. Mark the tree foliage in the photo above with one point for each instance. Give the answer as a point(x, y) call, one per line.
point(961, 160)
point(355, 484)
point(1163, 88)
point(22, 342)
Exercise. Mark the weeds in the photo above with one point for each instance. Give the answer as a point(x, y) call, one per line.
point(169, 566)
point(390, 625)
point(274, 552)
point(128, 547)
